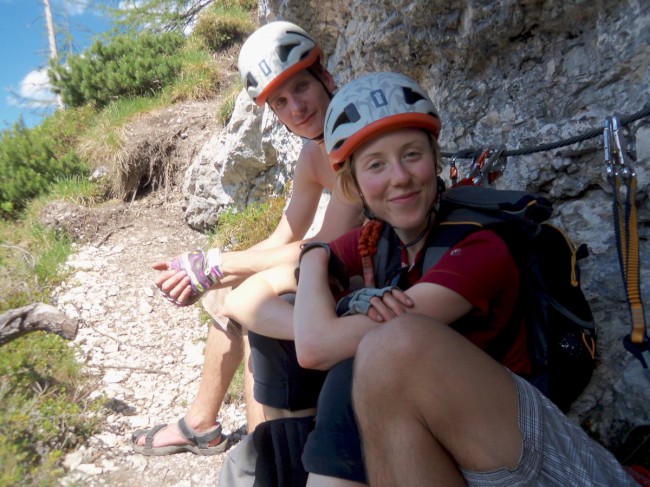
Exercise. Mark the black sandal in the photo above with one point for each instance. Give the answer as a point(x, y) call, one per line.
point(200, 441)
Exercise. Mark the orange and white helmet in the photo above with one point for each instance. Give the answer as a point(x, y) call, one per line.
point(374, 104)
point(272, 54)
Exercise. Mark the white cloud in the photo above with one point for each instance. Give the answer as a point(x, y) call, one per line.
point(34, 92)
point(129, 4)
point(75, 7)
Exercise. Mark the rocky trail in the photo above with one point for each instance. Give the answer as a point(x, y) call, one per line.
point(145, 353)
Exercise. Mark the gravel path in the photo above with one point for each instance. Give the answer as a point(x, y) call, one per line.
point(146, 353)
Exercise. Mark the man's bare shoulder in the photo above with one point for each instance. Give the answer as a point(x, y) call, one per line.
point(314, 164)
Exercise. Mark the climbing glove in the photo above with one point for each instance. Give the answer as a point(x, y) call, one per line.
point(358, 302)
point(203, 268)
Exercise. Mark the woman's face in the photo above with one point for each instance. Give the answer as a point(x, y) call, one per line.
point(396, 174)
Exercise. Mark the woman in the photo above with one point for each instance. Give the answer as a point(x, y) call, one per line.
point(456, 417)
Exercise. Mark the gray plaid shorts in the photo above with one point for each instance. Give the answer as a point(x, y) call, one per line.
point(556, 451)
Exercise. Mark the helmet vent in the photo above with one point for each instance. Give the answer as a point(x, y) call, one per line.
point(339, 144)
point(412, 97)
point(349, 115)
point(284, 50)
point(250, 81)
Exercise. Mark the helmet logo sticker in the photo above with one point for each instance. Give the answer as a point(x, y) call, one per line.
point(379, 98)
point(264, 67)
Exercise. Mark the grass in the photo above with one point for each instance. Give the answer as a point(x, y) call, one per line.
point(105, 138)
point(223, 24)
point(239, 230)
point(200, 77)
point(227, 105)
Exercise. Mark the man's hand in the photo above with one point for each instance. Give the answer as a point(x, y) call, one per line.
point(174, 285)
point(378, 304)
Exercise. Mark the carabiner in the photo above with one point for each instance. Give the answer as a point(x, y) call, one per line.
point(607, 144)
point(620, 152)
point(453, 170)
point(476, 172)
point(494, 166)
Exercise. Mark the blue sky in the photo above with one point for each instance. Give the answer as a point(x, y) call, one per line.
point(24, 52)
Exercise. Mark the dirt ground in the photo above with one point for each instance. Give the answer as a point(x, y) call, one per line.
point(145, 352)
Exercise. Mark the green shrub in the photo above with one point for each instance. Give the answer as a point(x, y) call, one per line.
point(30, 161)
point(222, 26)
point(127, 66)
point(43, 395)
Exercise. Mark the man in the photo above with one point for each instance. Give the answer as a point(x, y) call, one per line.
point(279, 64)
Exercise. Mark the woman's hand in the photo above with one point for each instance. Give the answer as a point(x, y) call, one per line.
point(390, 305)
point(378, 304)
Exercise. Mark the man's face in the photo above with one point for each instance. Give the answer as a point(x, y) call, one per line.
point(301, 102)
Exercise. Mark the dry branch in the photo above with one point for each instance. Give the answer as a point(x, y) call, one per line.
point(36, 316)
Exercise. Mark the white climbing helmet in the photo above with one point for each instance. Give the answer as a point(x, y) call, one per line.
point(374, 104)
point(272, 54)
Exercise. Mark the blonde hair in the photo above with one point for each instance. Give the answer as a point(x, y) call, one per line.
point(346, 179)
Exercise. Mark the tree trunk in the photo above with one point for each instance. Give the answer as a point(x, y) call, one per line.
point(51, 35)
point(37, 316)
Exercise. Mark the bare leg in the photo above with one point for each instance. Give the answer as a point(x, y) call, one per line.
point(428, 401)
point(223, 354)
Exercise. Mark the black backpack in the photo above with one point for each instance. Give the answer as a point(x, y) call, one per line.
point(560, 326)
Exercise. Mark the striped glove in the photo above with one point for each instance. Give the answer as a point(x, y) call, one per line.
point(203, 268)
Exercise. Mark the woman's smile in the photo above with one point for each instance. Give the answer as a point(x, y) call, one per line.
point(405, 198)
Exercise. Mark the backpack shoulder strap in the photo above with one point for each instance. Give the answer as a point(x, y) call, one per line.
point(463, 210)
point(386, 260)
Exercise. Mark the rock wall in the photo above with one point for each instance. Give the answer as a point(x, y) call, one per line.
point(248, 161)
point(511, 73)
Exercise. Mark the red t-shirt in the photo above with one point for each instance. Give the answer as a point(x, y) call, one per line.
point(480, 269)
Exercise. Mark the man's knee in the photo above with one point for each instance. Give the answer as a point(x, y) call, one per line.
point(388, 354)
point(232, 329)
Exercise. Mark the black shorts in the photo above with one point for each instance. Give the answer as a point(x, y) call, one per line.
point(333, 449)
point(280, 382)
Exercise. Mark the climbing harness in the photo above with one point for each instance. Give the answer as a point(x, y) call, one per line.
point(622, 178)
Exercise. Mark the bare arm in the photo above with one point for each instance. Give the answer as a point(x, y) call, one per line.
point(323, 339)
point(257, 306)
point(282, 246)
